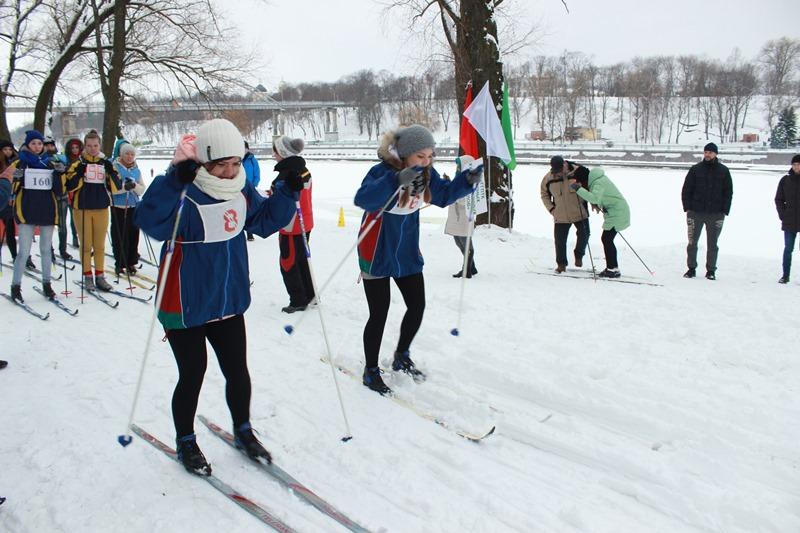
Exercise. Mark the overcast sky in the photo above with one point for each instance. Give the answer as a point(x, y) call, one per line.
point(323, 40)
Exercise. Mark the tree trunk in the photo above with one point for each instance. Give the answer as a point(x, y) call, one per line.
point(111, 92)
point(478, 59)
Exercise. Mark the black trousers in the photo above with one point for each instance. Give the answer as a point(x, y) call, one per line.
point(609, 248)
point(461, 242)
point(124, 237)
point(11, 235)
point(229, 339)
point(378, 294)
point(294, 269)
point(561, 232)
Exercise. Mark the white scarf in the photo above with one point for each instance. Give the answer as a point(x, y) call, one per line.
point(219, 188)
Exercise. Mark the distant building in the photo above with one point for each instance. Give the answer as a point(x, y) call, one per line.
point(536, 135)
point(581, 134)
point(749, 138)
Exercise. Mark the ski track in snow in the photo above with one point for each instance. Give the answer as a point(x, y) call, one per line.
point(618, 407)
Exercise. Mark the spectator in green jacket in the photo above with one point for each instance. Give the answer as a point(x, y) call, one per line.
point(616, 214)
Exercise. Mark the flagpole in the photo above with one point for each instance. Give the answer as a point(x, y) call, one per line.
point(510, 196)
point(489, 193)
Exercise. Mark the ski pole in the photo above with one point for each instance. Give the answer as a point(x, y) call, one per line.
point(2, 242)
point(121, 248)
point(81, 248)
point(455, 331)
point(637, 255)
point(589, 246)
point(288, 328)
point(125, 438)
point(348, 434)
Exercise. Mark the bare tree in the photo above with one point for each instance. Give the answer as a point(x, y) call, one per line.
point(19, 36)
point(780, 60)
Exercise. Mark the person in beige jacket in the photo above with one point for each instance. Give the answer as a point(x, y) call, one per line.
point(567, 208)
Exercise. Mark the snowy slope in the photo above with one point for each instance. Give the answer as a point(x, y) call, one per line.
point(619, 408)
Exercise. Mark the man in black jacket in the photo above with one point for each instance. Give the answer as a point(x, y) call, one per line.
point(707, 193)
point(787, 201)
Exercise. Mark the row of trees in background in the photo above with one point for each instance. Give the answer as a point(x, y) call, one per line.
point(661, 97)
point(181, 46)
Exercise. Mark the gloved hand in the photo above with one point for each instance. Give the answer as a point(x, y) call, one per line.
point(407, 175)
point(18, 174)
point(574, 185)
point(129, 185)
point(417, 185)
point(295, 182)
point(186, 171)
point(58, 166)
point(595, 208)
point(474, 175)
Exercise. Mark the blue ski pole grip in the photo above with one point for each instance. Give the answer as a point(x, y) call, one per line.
point(288, 328)
point(454, 332)
point(124, 440)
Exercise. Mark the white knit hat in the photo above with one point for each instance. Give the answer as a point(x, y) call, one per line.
point(218, 139)
point(287, 147)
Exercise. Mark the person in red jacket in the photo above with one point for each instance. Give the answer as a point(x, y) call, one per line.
point(293, 260)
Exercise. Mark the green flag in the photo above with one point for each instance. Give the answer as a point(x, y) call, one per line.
point(505, 120)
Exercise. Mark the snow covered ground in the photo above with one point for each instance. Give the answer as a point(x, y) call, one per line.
point(619, 408)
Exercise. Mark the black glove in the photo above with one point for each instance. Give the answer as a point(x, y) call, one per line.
point(475, 175)
point(407, 175)
point(295, 182)
point(417, 185)
point(18, 174)
point(58, 166)
point(129, 185)
point(187, 171)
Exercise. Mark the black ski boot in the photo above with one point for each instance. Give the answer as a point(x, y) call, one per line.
point(16, 294)
point(403, 363)
point(244, 439)
point(48, 291)
point(372, 379)
point(711, 275)
point(191, 457)
point(29, 264)
point(690, 273)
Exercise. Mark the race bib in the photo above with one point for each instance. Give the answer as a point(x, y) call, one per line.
point(95, 173)
point(38, 179)
point(223, 221)
point(414, 205)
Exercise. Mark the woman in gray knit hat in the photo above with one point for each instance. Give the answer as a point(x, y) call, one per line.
point(391, 195)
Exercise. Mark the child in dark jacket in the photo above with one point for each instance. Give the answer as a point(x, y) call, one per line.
point(37, 184)
point(207, 289)
point(293, 260)
point(391, 195)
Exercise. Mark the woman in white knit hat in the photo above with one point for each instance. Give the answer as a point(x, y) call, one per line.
point(208, 287)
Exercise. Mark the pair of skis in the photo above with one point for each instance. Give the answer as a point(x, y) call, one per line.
point(41, 316)
point(277, 473)
point(472, 437)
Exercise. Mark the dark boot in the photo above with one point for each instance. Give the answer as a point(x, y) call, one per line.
point(690, 273)
point(48, 291)
point(711, 275)
point(191, 457)
point(403, 363)
point(101, 283)
point(29, 264)
point(244, 439)
point(16, 294)
point(372, 379)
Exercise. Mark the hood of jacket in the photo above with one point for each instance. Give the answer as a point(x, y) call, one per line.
point(387, 151)
point(595, 174)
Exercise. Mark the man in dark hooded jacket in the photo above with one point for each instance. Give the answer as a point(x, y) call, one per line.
point(707, 194)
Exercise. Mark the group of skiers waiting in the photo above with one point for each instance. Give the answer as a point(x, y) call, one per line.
point(568, 190)
point(47, 186)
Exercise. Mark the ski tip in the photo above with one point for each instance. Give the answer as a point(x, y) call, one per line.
point(454, 332)
point(288, 328)
point(347, 438)
point(124, 440)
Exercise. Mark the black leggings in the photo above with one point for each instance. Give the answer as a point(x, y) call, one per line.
point(229, 339)
point(378, 298)
point(608, 247)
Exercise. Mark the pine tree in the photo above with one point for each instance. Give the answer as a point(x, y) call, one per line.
point(784, 134)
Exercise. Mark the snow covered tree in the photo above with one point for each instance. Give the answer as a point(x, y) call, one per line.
point(784, 134)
